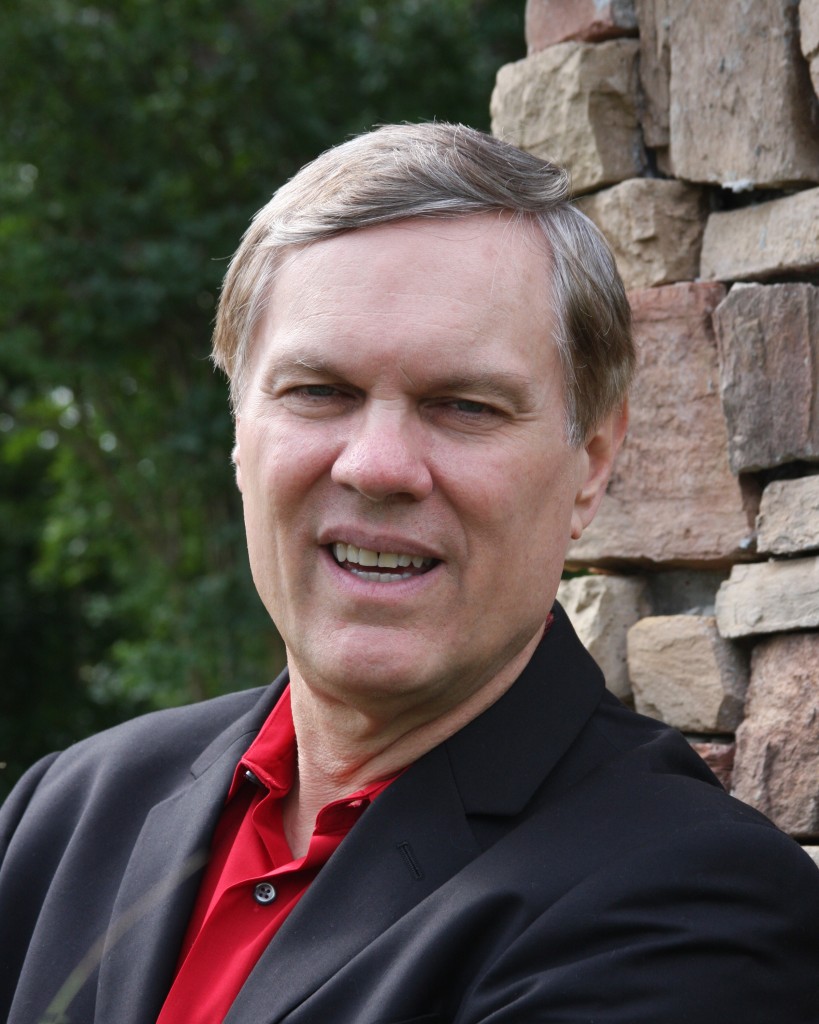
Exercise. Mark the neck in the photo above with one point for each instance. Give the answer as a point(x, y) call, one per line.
point(346, 743)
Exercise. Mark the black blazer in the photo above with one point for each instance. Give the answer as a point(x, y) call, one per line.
point(560, 859)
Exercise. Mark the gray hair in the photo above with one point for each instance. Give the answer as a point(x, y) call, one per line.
point(440, 170)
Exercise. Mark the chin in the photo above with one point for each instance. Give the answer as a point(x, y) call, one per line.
point(383, 669)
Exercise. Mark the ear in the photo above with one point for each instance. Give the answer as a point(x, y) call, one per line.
point(234, 458)
point(600, 448)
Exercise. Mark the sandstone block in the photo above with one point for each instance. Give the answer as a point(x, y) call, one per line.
point(769, 597)
point(672, 499)
point(813, 853)
point(684, 673)
point(720, 759)
point(654, 18)
point(575, 103)
point(654, 227)
point(742, 111)
point(773, 238)
point(589, 21)
point(809, 37)
point(601, 609)
point(768, 337)
point(788, 519)
point(777, 760)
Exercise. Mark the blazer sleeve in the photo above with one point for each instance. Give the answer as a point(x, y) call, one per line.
point(14, 933)
point(713, 926)
point(18, 800)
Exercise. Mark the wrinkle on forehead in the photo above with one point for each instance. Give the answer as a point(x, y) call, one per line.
point(517, 230)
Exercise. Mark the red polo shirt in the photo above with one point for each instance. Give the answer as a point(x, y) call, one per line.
point(252, 881)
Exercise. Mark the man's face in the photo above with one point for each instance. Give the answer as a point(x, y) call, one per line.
point(408, 491)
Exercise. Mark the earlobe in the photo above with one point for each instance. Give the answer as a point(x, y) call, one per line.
point(237, 466)
point(600, 448)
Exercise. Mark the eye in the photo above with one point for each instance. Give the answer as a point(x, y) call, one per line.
point(316, 391)
point(316, 400)
point(468, 414)
point(318, 396)
point(470, 408)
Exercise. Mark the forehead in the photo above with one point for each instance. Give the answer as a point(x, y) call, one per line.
point(509, 255)
point(475, 288)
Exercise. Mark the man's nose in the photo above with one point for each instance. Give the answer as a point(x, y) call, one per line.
point(384, 456)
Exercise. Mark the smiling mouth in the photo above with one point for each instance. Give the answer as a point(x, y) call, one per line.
point(380, 566)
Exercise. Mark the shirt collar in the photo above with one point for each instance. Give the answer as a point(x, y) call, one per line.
point(270, 763)
point(270, 760)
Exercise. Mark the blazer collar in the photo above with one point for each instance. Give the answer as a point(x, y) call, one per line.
point(501, 758)
point(242, 732)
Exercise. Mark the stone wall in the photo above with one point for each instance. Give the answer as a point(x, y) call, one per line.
point(691, 129)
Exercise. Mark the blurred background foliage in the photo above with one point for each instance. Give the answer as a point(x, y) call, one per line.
point(138, 139)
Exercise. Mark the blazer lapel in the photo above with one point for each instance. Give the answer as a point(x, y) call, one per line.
point(161, 880)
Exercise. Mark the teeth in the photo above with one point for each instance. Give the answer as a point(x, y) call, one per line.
point(378, 559)
point(381, 577)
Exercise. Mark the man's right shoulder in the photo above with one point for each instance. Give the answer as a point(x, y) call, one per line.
point(150, 752)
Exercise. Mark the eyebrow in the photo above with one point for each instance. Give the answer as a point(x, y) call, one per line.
point(505, 385)
point(283, 369)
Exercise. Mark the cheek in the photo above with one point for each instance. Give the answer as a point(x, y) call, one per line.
point(277, 464)
point(285, 490)
point(536, 512)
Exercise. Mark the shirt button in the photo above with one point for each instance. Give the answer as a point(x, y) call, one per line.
point(264, 893)
point(254, 778)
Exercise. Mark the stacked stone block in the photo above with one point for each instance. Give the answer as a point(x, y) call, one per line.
point(691, 130)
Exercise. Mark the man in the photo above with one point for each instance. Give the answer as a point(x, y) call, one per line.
point(438, 813)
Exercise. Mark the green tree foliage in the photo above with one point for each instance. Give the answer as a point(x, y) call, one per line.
point(138, 139)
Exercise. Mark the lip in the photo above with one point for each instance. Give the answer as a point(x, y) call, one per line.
point(398, 543)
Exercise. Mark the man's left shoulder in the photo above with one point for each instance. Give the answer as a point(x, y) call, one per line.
point(630, 784)
point(653, 894)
